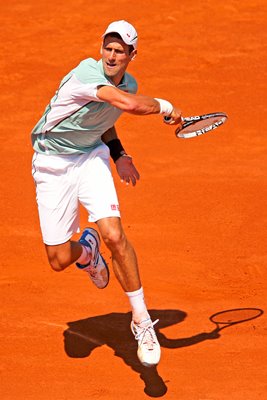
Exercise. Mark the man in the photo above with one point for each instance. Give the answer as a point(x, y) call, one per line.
point(73, 141)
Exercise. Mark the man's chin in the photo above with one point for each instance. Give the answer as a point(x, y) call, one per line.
point(111, 72)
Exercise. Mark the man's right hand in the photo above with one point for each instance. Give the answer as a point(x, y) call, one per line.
point(175, 117)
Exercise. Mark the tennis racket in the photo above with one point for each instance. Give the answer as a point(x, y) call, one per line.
point(198, 124)
point(224, 319)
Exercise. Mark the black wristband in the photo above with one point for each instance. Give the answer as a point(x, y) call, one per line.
point(116, 149)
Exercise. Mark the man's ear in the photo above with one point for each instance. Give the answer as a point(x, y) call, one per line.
point(101, 50)
point(133, 54)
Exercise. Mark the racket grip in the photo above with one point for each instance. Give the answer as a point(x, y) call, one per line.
point(168, 120)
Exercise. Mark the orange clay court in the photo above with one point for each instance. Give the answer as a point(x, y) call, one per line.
point(197, 218)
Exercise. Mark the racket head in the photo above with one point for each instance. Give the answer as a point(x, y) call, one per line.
point(200, 124)
point(235, 316)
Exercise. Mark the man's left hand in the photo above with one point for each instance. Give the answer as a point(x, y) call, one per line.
point(126, 170)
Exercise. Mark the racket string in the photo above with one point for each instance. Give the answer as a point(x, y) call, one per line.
point(199, 125)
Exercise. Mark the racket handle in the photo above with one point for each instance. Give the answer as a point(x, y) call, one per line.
point(168, 120)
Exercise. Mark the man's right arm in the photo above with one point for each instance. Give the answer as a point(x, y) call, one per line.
point(138, 104)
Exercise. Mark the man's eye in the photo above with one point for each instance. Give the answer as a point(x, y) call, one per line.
point(116, 51)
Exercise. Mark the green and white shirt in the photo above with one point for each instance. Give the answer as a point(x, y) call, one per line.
point(75, 119)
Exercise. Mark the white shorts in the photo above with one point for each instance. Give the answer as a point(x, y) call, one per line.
point(63, 182)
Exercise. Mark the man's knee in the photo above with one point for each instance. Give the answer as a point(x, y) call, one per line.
point(114, 238)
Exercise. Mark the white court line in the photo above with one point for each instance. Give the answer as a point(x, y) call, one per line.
point(64, 326)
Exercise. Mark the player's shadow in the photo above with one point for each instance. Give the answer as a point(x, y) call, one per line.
point(113, 330)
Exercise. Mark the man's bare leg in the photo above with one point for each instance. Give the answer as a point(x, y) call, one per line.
point(63, 255)
point(125, 264)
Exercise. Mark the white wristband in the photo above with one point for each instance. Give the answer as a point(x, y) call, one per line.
point(166, 107)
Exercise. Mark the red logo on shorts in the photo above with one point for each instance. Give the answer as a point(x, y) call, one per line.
point(114, 207)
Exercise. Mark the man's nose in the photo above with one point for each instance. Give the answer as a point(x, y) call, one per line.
point(112, 55)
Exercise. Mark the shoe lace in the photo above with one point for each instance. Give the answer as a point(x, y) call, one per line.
point(146, 334)
point(95, 259)
point(91, 269)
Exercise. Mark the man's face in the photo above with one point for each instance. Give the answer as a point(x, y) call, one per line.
point(115, 57)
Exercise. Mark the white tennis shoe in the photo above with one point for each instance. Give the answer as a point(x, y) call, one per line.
point(97, 267)
point(148, 346)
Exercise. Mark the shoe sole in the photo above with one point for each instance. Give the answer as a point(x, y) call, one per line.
point(95, 233)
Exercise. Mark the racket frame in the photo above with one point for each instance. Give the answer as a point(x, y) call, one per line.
point(188, 121)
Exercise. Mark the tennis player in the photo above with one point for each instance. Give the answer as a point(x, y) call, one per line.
point(73, 142)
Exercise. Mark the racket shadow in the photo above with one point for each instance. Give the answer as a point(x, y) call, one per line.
point(226, 318)
point(85, 335)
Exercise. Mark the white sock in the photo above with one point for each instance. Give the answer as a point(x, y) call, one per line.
point(85, 256)
point(138, 305)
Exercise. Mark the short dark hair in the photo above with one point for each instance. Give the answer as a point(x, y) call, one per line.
point(118, 36)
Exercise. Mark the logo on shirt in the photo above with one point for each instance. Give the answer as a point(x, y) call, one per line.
point(114, 207)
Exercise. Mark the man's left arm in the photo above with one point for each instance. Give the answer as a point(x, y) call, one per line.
point(123, 161)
